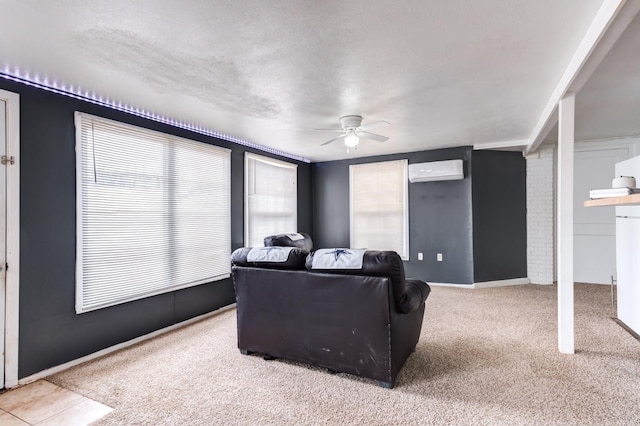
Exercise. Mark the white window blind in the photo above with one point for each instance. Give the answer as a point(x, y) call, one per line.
point(379, 206)
point(271, 205)
point(153, 213)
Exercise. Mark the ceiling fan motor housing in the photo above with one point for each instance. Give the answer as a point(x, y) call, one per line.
point(350, 121)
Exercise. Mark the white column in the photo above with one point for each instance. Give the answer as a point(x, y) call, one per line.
point(566, 337)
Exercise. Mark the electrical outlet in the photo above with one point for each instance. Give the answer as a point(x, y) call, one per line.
point(420, 256)
point(439, 257)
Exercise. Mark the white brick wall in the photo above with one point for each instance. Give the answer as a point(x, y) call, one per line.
point(540, 215)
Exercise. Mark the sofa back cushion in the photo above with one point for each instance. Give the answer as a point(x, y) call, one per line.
point(337, 259)
point(298, 239)
point(270, 257)
point(374, 263)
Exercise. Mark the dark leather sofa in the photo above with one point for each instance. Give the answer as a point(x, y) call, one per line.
point(364, 321)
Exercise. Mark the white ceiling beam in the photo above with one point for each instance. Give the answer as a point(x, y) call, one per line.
point(518, 145)
point(612, 19)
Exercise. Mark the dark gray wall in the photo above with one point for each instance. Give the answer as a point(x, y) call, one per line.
point(478, 223)
point(51, 332)
point(440, 215)
point(499, 215)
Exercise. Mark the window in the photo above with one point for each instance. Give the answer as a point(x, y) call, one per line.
point(270, 204)
point(153, 213)
point(379, 217)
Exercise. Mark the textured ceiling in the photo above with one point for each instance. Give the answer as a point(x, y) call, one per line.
point(443, 73)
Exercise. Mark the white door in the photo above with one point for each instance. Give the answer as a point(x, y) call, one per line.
point(594, 229)
point(9, 237)
point(3, 233)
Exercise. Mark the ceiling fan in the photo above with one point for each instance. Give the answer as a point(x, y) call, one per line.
point(352, 131)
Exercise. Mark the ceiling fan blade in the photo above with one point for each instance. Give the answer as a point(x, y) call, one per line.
point(373, 136)
point(332, 130)
point(374, 125)
point(333, 140)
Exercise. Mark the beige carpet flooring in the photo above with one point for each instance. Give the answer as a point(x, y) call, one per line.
point(486, 356)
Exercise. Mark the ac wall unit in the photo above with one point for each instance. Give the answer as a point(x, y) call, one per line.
point(436, 170)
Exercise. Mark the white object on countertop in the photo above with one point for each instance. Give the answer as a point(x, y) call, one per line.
point(624, 182)
point(612, 192)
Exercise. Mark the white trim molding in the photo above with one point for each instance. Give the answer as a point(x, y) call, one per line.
point(632, 143)
point(11, 322)
point(516, 145)
point(485, 284)
point(432, 284)
point(502, 283)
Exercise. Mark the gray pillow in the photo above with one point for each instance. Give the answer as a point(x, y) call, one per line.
point(270, 257)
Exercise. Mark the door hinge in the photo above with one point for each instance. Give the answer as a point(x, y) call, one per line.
point(4, 160)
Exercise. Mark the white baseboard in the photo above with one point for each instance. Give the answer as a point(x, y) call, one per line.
point(502, 283)
point(58, 368)
point(449, 285)
point(484, 284)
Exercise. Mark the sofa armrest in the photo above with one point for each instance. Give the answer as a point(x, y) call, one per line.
point(414, 294)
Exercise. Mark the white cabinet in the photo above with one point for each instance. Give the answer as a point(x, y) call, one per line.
point(628, 252)
point(628, 266)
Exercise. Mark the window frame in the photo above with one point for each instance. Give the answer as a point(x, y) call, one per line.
point(405, 255)
point(167, 139)
point(275, 162)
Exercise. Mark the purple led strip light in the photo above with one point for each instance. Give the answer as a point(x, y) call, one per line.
point(77, 93)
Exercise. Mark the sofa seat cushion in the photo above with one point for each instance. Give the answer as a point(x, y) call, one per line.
point(290, 258)
point(299, 239)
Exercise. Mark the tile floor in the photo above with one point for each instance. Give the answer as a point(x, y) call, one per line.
point(42, 403)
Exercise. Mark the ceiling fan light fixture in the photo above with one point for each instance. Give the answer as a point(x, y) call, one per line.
point(352, 131)
point(351, 140)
